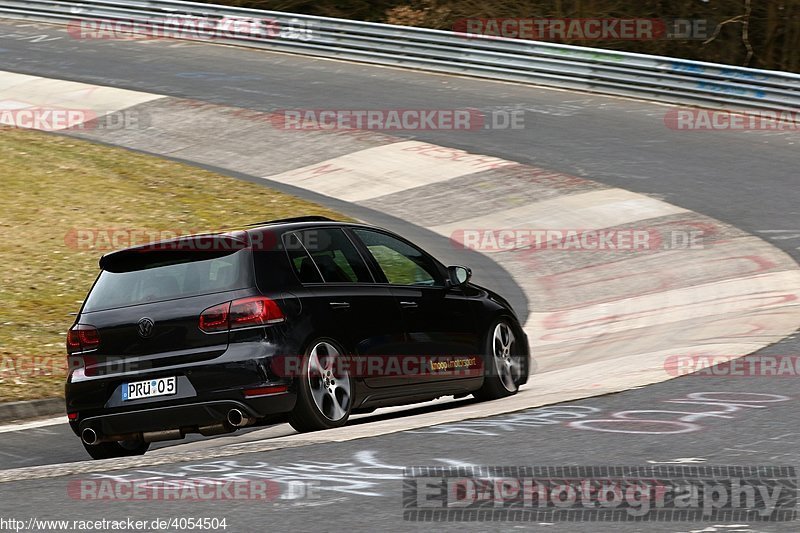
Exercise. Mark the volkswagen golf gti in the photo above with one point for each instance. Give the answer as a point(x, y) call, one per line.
point(304, 320)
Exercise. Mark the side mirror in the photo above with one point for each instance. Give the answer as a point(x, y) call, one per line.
point(458, 275)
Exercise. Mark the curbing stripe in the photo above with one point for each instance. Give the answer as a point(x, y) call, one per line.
point(601, 209)
point(22, 92)
point(401, 165)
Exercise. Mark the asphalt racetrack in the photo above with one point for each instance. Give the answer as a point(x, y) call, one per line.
point(746, 179)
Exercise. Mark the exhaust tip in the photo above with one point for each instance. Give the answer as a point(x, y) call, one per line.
point(238, 419)
point(89, 436)
point(235, 418)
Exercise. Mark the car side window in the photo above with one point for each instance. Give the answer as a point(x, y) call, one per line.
point(302, 263)
point(326, 254)
point(401, 263)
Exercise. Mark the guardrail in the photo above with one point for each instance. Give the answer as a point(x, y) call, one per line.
point(533, 62)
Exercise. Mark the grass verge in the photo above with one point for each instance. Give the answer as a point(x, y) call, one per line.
point(61, 200)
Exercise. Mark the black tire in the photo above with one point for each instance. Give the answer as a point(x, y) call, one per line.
point(504, 366)
point(113, 450)
point(325, 388)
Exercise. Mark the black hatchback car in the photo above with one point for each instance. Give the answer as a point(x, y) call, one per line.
point(304, 320)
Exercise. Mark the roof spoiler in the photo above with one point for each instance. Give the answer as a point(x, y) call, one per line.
point(178, 250)
point(309, 218)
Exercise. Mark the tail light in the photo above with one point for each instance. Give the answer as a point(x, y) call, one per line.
point(242, 313)
point(215, 318)
point(254, 312)
point(81, 338)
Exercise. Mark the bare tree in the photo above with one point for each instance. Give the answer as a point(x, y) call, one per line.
point(763, 34)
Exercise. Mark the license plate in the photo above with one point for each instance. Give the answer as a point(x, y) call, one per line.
point(149, 389)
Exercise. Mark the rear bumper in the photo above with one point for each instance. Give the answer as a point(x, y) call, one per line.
point(206, 392)
point(188, 417)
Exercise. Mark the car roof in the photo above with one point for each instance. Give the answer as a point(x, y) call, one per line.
point(238, 233)
point(295, 224)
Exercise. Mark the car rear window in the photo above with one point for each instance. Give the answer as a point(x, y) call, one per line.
point(170, 276)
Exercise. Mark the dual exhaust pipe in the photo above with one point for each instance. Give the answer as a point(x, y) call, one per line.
point(234, 420)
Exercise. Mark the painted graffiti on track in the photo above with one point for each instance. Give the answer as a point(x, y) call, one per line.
point(724, 405)
point(362, 475)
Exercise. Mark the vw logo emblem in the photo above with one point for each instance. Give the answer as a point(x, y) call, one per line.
point(145, 327)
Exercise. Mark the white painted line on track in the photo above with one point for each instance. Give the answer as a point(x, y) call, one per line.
point(22, 426)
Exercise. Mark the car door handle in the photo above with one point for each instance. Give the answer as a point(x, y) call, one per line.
point(409, 305)
point(340, 305)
